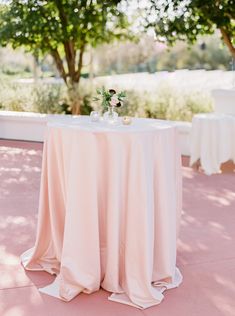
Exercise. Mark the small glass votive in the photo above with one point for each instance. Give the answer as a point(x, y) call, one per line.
point(126, 120)
point(95, 116)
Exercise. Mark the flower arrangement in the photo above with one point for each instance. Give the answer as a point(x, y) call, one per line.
point(110, 98)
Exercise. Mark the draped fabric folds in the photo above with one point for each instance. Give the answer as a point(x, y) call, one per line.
point(109, 210)
point(212, 140)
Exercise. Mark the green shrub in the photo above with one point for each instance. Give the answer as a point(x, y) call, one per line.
point(50, 98)
point(166, 102)
point(173, 104)
point(14, 97)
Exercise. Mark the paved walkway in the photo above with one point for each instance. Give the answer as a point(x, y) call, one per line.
point(206, 250)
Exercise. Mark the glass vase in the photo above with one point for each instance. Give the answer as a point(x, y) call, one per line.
point(110, 116)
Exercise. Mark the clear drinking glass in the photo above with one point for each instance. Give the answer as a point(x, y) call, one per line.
point(95, 116)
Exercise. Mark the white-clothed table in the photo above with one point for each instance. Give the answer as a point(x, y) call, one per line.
point(212, 140)
point(109, 211)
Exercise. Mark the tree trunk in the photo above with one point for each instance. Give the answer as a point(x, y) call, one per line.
point(74, 98)
point(59, 64)
point(35, 69)
point(228, 42)
point(73, 85)
point(91, 70)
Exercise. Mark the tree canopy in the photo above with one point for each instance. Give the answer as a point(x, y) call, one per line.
point(187, 19)
point(62, 28)
point(66, 28)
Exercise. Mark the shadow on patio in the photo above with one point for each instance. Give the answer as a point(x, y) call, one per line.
point(206, 247)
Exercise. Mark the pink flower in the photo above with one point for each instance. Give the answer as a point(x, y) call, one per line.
point(114, 100)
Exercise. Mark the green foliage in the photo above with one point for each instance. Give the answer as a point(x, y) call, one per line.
point(165, 103)
point(105, 96)
point(134, 105)
point(180, 20)
point(41, 98)
point(86, 107)
point(14, 63)
point(15, 97)
point(53, 99)
point(63, 29)
point(127, 57)
point(44, 25)
point(49, 99)
point(171, 104)
point(151, 56)
point(213, 56)
point(13, 70)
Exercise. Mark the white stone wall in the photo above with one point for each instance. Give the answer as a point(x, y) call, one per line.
point(31, 127)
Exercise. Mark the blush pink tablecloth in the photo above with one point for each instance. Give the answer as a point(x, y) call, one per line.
point(109, 210)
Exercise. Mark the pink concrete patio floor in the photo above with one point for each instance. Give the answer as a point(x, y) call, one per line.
point(206, 248)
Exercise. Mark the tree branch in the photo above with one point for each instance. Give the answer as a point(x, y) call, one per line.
point(59, 64)
point(70, 57)
point(80, 62)
point(227, 41)
point(68, 44)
